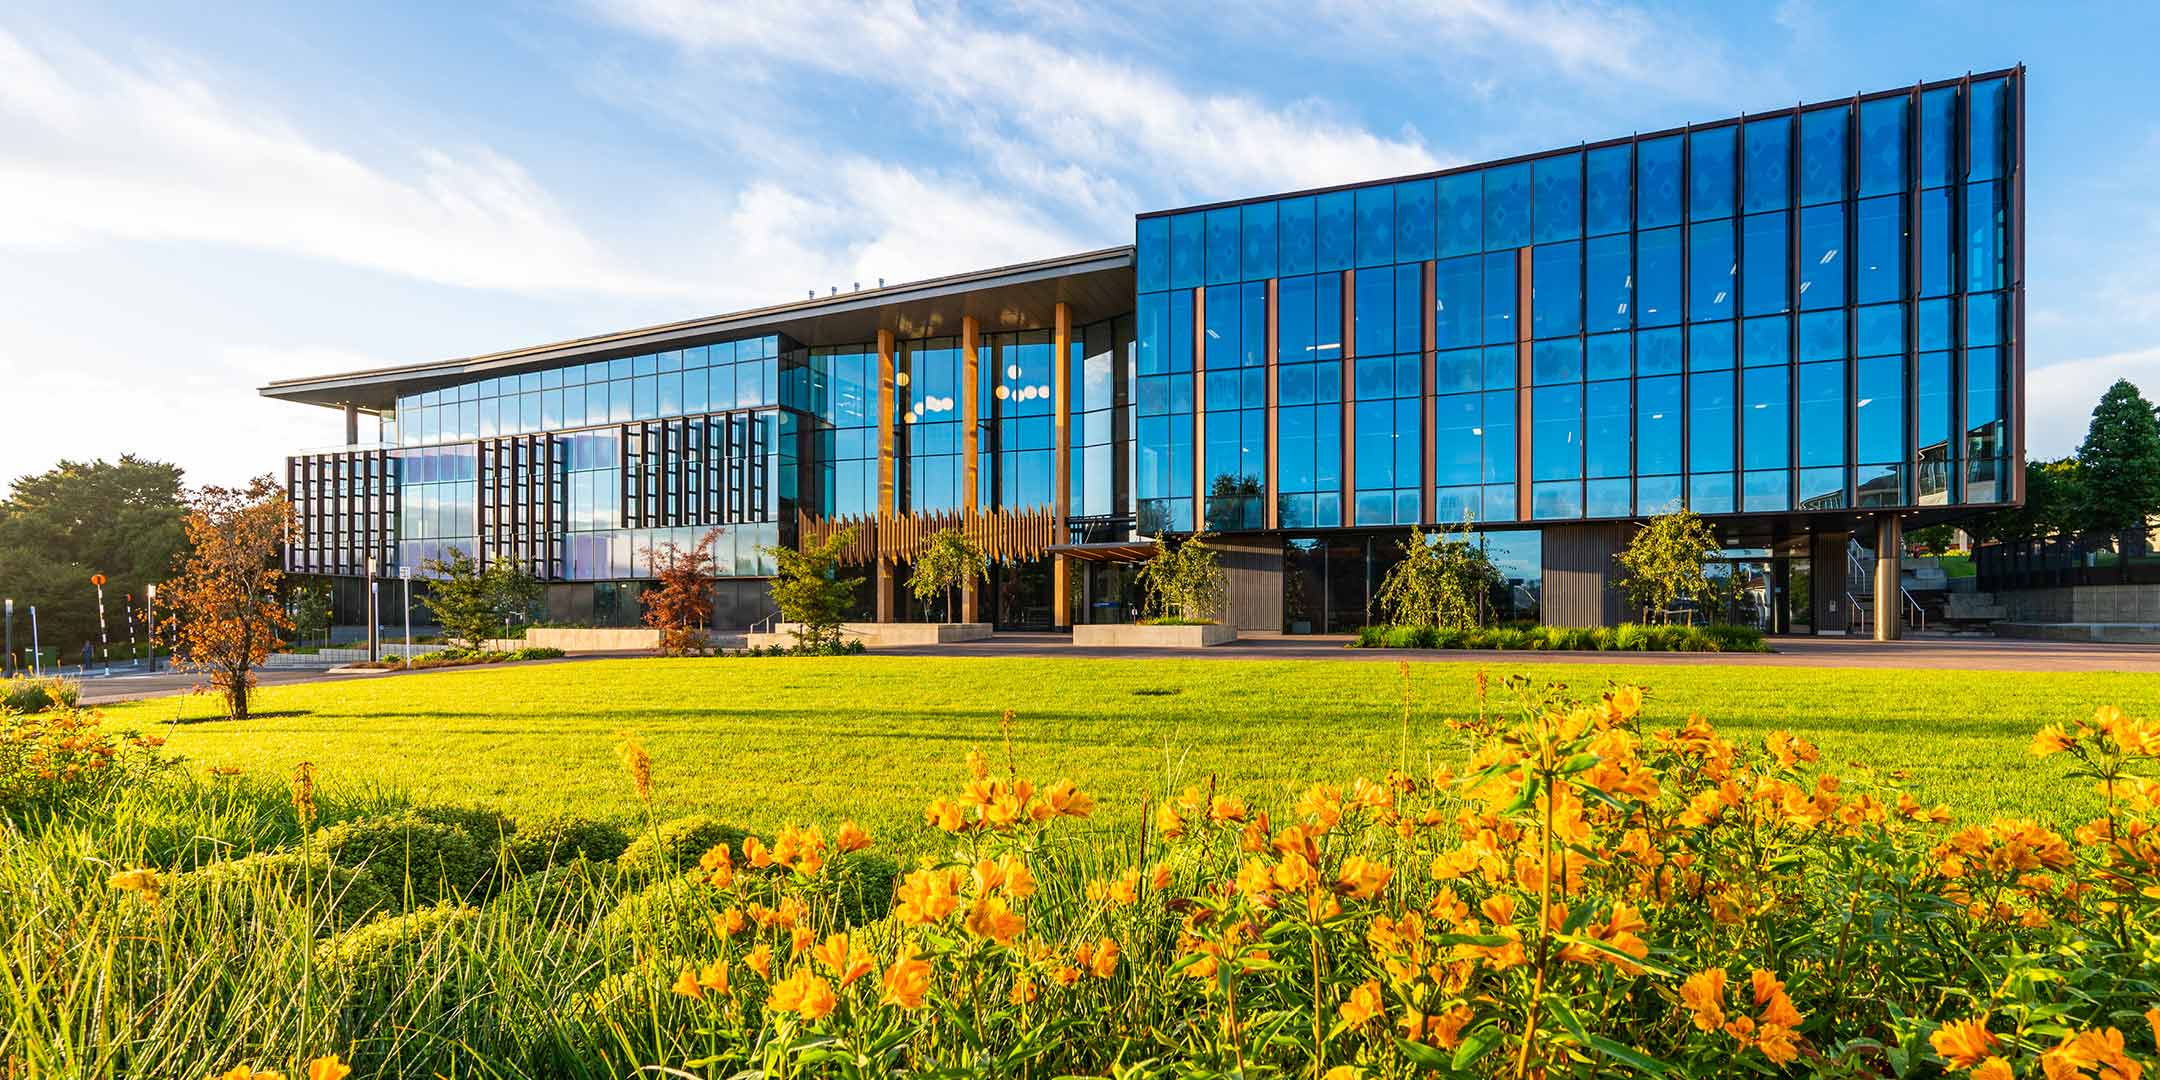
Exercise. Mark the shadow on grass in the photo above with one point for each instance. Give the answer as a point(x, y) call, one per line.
point(220, 718)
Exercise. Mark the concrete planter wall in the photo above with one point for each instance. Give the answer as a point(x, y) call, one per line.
point(1142, 636)
point(884, 635)
point(614, 639)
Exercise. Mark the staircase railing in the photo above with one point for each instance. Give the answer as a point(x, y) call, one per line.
point(1858, 622)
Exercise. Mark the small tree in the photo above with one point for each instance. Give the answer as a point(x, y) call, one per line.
point(472, 604)
point(1184, 582)
point(681, 607)
point(2053, 506)
point(951, 560)
point(223, 602)
point(1663, 564)
point(310, 605)
point(2118, 467)
point(809, 591)
point(1441, 581)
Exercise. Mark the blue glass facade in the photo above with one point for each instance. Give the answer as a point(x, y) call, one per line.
point(1807, 310)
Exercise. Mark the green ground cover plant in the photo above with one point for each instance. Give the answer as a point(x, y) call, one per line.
point(1627, 637)
point(1554, 881)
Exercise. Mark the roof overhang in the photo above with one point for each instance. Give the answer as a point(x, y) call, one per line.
point(1095, 284)
point(1114, 551)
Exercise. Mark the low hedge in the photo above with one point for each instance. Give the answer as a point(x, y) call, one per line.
point(1628, 637)
point(258, 886)
point(34, 694)
point(542, 842)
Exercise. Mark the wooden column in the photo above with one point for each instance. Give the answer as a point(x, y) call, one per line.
point(970, 442)
point(1061, 426)
point(1522, 383)
point(887, 466)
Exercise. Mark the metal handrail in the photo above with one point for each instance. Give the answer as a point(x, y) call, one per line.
point(1919, 613)
point(1852, 604)
point(764, 625)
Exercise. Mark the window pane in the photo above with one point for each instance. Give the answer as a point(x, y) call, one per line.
point(1559, 197)
point(1500, 297)
point(1822, 489)
point(1989, 131)
point(1556, 289)
point(1295, 236)
point(1605, 498)
point(1457, 308)
point(1938, 244)
point(1414, 220)
point(1769, 149)
point(1605, 203)
point(1822, 256)
point(1710, 422)
point(1882, 146)
point(1822, 414)
point(1657, 425)
point(1765, 341)
point(1658, 352)
point(1710, 493)
point(1762, 281)
point(1657, 182)
point(1710, 346)
point(1766, 491)
point(1556, 435)
point(1606, 356)
point(1610, 284)
point(1658, 494)
point(1881, 251)
point(1880, 330)
point(1461, 213)
point(1337, 230)
point(1605, 428)
point(1710, 270)
point(1188, 257)
point(1879, 411)
point(1225, 240)
point(1710, 173)
point(1259, 229)
point(1657, 276)
point(1375, 311)
point(1375, 225)
point(1556, 361)
point(1151, 271)
point(1507, 206)
point(1763, 419)
point(1985, 231)
point(1500, 438)
point(1938, 127)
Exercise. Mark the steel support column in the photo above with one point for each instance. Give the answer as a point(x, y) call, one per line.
point(1889, 597)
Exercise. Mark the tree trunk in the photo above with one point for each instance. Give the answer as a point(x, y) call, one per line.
point(236, 694)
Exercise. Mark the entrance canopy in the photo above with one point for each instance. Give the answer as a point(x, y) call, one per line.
point(1114, 551)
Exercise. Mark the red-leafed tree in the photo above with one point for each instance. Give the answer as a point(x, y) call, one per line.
point(681, 605)
point(224, 597)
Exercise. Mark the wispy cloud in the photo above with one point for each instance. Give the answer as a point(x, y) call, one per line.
point(93, 147)
point(2059, 397)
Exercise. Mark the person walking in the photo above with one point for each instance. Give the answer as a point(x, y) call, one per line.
point(86, 655)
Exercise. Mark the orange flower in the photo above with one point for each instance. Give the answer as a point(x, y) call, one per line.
point(847, 961)
point(851, 838)
point(1064, 800)
point(1771, 1001)
point(945, 814)
point(1363, 878)
point(991, 918)
point(1964, 1043)
point(1102, 958)
point(926, 896)
point(803, 994)
point(760, 961)
point(2052, 739)
point(1364, 1004)
point(1704, 995)
point(905, 983)
point(719, 865)
point(686, 984)
point(1993, 1068)
point(328, 1068)
point(1224, 809)
point(1168, 823)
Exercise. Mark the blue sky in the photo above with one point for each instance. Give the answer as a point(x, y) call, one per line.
point(196, 199)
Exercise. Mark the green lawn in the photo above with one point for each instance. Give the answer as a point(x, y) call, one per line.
point(764, 742)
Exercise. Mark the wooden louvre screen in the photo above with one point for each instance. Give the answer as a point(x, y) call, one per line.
point(1005, 535)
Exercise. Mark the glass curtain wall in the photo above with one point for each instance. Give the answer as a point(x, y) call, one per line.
point(1804, 310)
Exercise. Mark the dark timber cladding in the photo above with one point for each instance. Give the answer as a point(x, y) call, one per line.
point(1579, 574)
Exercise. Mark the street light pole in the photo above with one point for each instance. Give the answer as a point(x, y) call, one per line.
point(150, 621)
point(10, 664)
point(374, 618)
point(405, 572)
point(37, 659)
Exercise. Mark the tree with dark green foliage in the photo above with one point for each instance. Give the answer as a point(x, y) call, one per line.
point(810, 592)
point(1184, 583)
point(1663, 564)
point(1442, 581)
point(471, 603)
point(122, 519)
point(2054, 506)
point(2118, 467)
point(951, 560)
point(307, 600)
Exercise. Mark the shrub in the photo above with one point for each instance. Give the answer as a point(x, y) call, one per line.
point(377, 958)
point(571, 893)
point(64, 754)
point(32, 694)
point(676, 845)
point(538, 652)
point(411, 854)
point(542, 842)
point(1629, 637)
point(250, 889)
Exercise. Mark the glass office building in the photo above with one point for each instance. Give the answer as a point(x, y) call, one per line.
point(1801, 324)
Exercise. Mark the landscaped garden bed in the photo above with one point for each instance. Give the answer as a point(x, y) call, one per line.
point(454, 657)
point(1629, 637)
point(1585, 885)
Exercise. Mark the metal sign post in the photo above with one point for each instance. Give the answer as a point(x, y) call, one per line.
point(9, 665)
point(404, 574)
point(127, 615)
point(150, 621)
point(37, 659)
point(104, 642)
point(374, 614)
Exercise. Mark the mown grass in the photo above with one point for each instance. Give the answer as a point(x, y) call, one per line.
point(769, 741)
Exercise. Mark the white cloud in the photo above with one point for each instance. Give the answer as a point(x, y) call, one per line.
point(1098, 117)
point(2059, 398)
point(92, 147)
